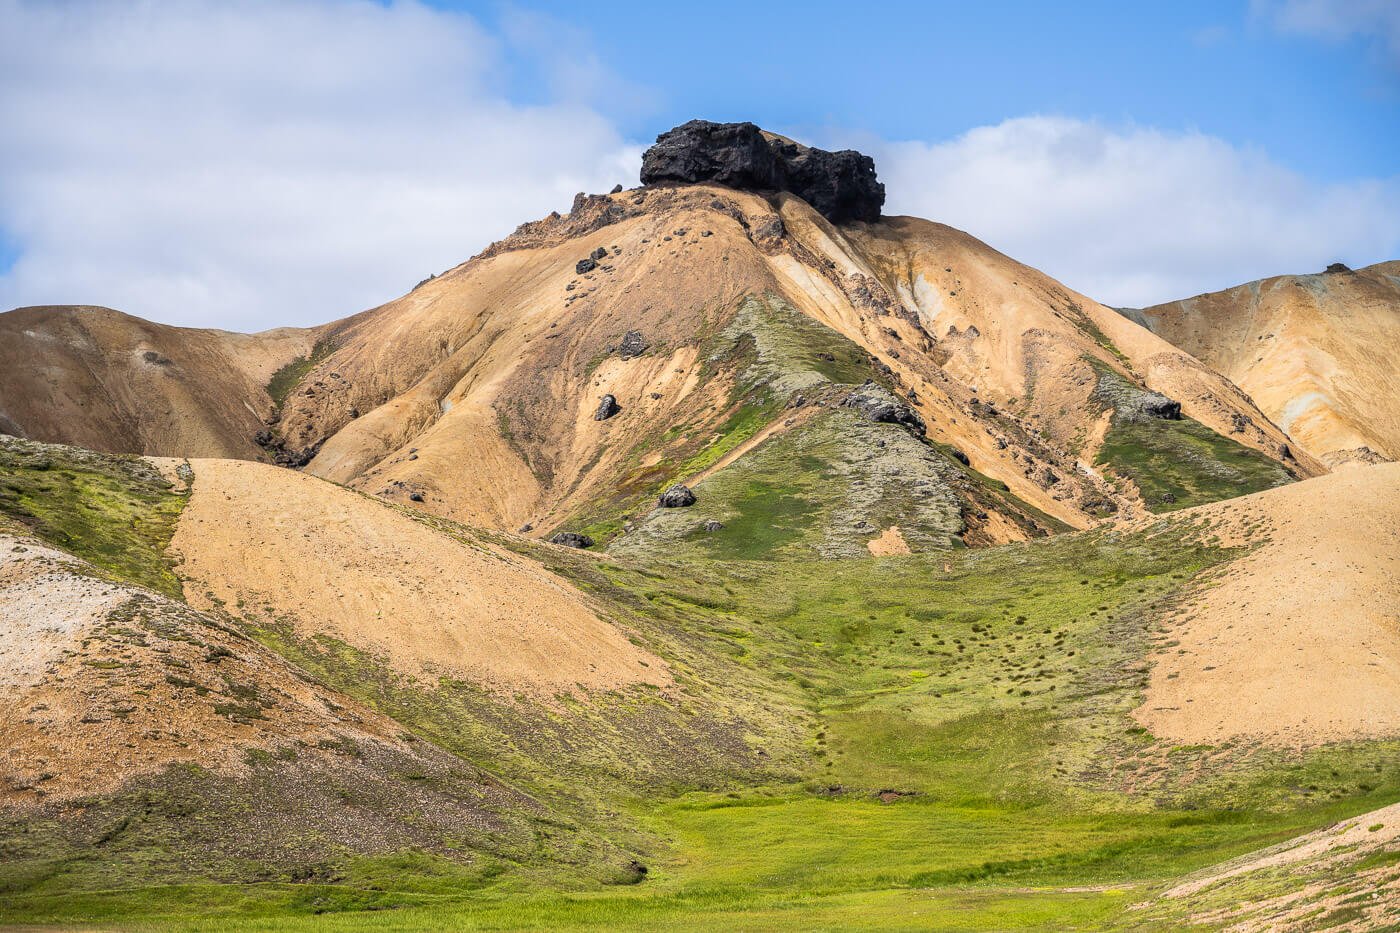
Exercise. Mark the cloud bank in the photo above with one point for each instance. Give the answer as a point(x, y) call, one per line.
point(265, 163)
point(254, 164)
point(1138, 216)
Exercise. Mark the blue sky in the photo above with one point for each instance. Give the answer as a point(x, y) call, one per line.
point(276, 162)
point(1327, 106)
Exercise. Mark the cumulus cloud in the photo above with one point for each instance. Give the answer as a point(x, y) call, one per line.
point(1336, 20)
point(270, 162)
point(1138, 216)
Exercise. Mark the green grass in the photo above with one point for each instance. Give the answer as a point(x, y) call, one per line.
point(935, 741)
point(117, 512)
point(1178, 464)
point(1175, 463)
point(290, 375)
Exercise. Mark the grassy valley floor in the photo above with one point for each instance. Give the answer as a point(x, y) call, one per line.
point(936, 741)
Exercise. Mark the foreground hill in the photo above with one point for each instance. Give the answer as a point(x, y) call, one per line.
point(908, 723)
point(1317, 352)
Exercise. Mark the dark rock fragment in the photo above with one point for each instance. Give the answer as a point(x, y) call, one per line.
point(678, 496)
point(633, 344)
point(607, 407)
point(713, 525)
point(585, 265)
point(571, 539)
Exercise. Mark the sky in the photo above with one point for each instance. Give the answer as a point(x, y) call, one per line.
point(275, 162)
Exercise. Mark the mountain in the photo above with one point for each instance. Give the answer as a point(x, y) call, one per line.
point(898, 580)
point(717, 320)
point(1316, 352)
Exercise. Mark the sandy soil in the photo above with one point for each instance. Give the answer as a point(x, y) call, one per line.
point(100, 682)
point(272, 544)
point(889, 543)
point(1297, 642)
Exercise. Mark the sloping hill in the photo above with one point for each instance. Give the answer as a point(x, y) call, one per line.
point(705, 316)
point(478, 391)
point(282, 548)
point(1299, 640)
point(1316, 352)
point(104, 380)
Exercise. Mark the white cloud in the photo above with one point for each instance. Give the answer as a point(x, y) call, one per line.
point(1138, 216)
point(1337, 20)
point(264, 163)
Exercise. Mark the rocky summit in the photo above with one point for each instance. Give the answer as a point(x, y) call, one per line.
point(842, 186)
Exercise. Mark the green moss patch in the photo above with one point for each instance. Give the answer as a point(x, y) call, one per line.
point(114, 511)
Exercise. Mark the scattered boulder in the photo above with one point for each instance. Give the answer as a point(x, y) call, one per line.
point(586, 264)
point(598, 254)
point(616, 189)
point(880, 406)
point(525, 528)
point(961, 457)
point(415, 497)
point(1157, 405)
point(633, 344)
point(841, 186)
point(607, 407)
point(678, 496)
point(713, 525)
point(1239, 422)
point(571, 539)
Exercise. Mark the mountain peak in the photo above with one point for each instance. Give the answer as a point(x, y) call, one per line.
point(841, 186)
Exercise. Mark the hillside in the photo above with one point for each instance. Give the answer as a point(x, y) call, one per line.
point(108, 381)
point(720, 555)
point(478, 391)
point(715, 321)
point(854, 731)
point(1316, 352)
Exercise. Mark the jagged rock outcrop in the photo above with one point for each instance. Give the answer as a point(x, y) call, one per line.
point(1156, 405)
point(841, 186)
point(678, 496)
point(571, 539)
point(878, 405)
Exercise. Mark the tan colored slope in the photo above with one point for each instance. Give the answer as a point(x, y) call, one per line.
point(271, 545)
point(477, 390)
point(100, 379)
point(101, 682)
point(1298, 641)
point(1023, 340)
point(1316, 352)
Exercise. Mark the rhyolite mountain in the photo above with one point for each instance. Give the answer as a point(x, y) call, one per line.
point(476, 395)
point(720, 554)
point(1317, 352)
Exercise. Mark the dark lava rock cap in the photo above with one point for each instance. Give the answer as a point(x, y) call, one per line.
point(841, 186)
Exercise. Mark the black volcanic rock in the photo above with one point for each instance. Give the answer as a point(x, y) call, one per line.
point(607, 407)
point(571, 539)
point(676, 497)
point(841, 186)
point(882, 407)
